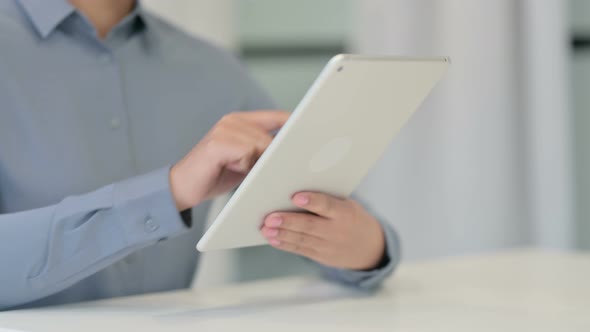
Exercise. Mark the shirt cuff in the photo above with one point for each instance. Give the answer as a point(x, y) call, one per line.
point(373, 278)
point(146, 208)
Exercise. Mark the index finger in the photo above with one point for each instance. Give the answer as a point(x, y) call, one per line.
point(267, 120)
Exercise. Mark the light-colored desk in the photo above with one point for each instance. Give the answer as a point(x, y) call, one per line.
point(512, 291)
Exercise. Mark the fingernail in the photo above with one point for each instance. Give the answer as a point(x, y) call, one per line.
point(269, 232)
point(275, 221)
point(275, 242)
point(301, 200)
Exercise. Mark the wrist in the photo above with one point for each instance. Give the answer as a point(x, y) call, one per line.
point(177, 188)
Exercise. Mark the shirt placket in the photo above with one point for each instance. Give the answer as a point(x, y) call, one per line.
point(118, 127)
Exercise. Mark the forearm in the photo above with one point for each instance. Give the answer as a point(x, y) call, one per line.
point(46, 250)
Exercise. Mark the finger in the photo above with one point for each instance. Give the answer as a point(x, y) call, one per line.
point(298, 222)
point(267, 120)
point(246, 133)
point(321, 204)
point(242, 152)
point(252, 134)
point(239, 156)
point(242, 166)
point(295, 249)
point(295, 238)
point(241, 141)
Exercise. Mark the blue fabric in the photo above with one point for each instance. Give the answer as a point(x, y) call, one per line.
point(88, 131)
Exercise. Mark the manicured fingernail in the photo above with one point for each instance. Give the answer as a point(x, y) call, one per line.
point(275, 242)
point(301, 200)
point(269, 232)
point(275, 221)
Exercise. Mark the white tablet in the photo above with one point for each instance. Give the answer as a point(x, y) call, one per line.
point(339, 130)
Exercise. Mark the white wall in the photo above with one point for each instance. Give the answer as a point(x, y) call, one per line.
point(580, 14)
point(212, 19)
point(581, 86)
point(292, 25)
point(545, 59)
point(293, 22)
point(485, 163)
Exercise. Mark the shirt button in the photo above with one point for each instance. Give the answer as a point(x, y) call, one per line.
point(104, 59)
point(151, 226)
point(115, 123)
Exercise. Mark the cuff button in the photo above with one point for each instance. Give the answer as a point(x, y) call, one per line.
point(150, 225)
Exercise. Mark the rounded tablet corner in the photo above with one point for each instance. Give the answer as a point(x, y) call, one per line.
point(201, 247)
point(337, 59)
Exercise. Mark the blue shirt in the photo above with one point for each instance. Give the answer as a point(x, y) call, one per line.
point(88, 131)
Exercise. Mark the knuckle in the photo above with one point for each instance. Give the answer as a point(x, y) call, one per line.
point(313, 198)
point(211, 143)
point(286, 224)
point(252, 151)
point(227, 121)
point(229, 117)
point(223, 121)
point(290, 222)
point(308, 225)
point(281, 235)
point(327, 203)
point(301, 238)
point(219, 130)
point(286, 236)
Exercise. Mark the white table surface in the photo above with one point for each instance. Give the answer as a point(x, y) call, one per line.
point(524, 290)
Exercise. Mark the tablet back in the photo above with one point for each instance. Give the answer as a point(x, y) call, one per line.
point(339, 130)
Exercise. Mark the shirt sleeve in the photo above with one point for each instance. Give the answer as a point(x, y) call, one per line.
point(46, 250)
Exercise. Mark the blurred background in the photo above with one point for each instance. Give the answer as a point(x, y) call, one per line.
point(496, 158)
